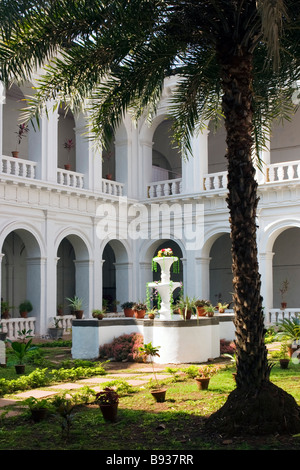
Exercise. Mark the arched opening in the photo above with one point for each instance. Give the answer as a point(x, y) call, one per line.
point(21, 272)
point(16, 139)
point(285, 140)
point(66, 139)
point(166, 159)
point(220, 272)
point(73, 273)
point(216, 148)
point(286, 266)
point(109, 161)
point(116, 275)
point(66, 285)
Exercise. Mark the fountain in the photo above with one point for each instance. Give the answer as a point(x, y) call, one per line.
point(165, 287)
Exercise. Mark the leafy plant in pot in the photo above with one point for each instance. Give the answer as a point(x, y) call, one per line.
point(284, 355)
point(55, 329)
point(5, 308)
point(99, 314)
point(139, 310)
point(128, 309)
point(205, 373)
point(69, 144)
point(22, 348)
point(108, 401)
point(222, 307)
point(148, 350)
point(186, 307)
point(76, 306)
point(25, 307)
point(283, 290)
point(200, 307)
point(22, 132)
point(39, 408)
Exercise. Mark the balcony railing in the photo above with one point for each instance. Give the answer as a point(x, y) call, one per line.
point(72, 179)
point(283, 171)
point(165, 188)
point(113, 188)
point(18, 167)
point(277, 314)
point(215, 181)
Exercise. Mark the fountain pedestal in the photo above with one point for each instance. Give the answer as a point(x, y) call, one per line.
point(165, 287)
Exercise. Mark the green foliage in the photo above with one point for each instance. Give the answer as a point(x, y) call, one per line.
point(23, 347)
point(289, 329)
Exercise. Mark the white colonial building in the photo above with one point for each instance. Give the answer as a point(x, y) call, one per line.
point(66, 232)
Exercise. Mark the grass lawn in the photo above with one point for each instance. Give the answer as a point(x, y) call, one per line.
point(175, 425)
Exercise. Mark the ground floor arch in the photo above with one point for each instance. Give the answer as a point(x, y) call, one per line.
point(220, 271)
point(22, 272)
point(286, 266)
point(116, 275)
point(73, 272)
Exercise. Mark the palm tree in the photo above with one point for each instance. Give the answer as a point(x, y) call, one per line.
point(234, 59)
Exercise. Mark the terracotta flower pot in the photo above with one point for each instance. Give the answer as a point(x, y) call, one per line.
point(15, 154)
point(128, 312)
point(201, 312)
point(108, 176)
point(67, 167)
point(159, 394)
point(139, 313)
point(24, 314)
point(202, 382)
point(78, 314)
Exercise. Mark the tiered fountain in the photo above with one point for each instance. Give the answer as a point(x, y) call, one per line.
point(165, 287)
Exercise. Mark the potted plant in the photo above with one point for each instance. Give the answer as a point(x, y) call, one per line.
point(22, 131)
point(99, 314)
point(222, 307)
point(139, 309)
point(205, 373)
point(151, 313)
point(147, 350)
point(60, 309)
point(108, 401)
point(69, 144)
point(76, 306)
point(21, 349)
point(128, 309)
point(200, 304)
point(284, 355)
point(25, 307)
point(55, 330)
point(187, 307)
point(209, 310)
point(104, 305)
point(107, 157)
point(115, 304)
point(283, 290)
point(289, 331)
point(5, 307)
point(39, 408)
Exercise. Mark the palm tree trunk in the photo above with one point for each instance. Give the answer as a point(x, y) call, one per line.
point(252, 365)
point(254, 392)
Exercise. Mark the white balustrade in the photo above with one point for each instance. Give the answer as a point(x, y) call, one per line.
point(13, 325)
point(65, 322)
point(72, 179)
point(113, 188)
point(165, 188)
point(215, 181)
point(284, 171)
point(18, 167)
point(277, 314)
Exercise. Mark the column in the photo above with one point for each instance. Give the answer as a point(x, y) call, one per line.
point(1, 258)
point(83, 283)
point(36, 290)
point(2, 102)
point(145, 276)
point(196, 167)
point(202, 277)
point(88, 157)
point(44, 147)
point(123, 282)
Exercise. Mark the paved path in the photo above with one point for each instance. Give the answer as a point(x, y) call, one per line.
point(137, 375)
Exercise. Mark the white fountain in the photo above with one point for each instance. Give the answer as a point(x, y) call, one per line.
point(165, 287)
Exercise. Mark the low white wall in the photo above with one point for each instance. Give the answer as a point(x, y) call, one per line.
point(180, 342)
